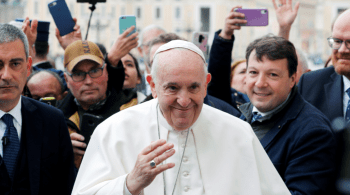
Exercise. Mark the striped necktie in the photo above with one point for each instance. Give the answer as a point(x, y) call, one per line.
point(11, 145)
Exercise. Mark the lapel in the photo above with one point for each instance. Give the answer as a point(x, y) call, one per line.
point(290, 112)
point(334, 97)
point(31, 124)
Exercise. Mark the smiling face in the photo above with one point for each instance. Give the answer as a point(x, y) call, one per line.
point(14, 69)
point(181, 86)
point(268, 82)
point(341, 56)
point(131, 77)
point(90, 90)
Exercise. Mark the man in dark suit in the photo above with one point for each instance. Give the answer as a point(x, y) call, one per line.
point(296, 136)
point(326, 89)
point(35, 150)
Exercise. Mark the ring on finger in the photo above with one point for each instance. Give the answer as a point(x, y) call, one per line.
point(153, 164)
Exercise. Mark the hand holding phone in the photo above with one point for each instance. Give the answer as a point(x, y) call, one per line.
point(62, 16)
point(232, 22)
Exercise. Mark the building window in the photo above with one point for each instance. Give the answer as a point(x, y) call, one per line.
point(113, 11)
point(177, 12)
point(82, 9)
point(158, 14)
point(138, 12)
point(71, 9)
point(36, 8)
point(3, 1)
point(122, 11)
point(205, 19)
point(341, 10)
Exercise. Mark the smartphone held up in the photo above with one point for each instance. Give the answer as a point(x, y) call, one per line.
point(254, 17)
point(125, 22)
point(62, 16)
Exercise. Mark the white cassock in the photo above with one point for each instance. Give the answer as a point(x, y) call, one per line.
point(222, 156)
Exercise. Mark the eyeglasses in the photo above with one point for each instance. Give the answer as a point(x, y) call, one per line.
point(80, 76)
point(335, 43)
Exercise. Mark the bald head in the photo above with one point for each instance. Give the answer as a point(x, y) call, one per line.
point(45, 84)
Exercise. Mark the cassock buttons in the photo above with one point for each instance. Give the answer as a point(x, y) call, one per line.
point(182, 145)
point(185, 159)
point(186, 188)
point(185, 173)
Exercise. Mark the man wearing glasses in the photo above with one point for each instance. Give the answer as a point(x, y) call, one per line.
point(328, 89)
point(92, 97)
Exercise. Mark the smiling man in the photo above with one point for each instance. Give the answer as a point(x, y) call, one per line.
point(177, 145)
point(328, 89)
point(296, 136)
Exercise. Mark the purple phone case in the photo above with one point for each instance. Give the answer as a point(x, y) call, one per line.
point(255, 17)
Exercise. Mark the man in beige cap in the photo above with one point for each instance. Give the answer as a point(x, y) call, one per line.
point(94, 92)
point(174, 144)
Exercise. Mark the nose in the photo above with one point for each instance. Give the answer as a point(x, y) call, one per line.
point(261, 81)
point(343, 48)
point(184, 98)
point(5, 73)
point(88, 79)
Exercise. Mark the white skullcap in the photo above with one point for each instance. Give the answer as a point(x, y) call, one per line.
point(180, 44)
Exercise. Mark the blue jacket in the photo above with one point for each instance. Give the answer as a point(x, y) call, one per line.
point(301, 145)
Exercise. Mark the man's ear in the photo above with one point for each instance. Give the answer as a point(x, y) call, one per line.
point(152, 85)
point(293, 77)
point(208, 78)
point(64, 94)
point(29, 66)
point(66, 79)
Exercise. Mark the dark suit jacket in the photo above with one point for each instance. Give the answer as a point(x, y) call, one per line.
point(324, 90)
point(43, 65)
point(301, 145)
point(49, 149)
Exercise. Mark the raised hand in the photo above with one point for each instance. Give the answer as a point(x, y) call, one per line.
point(122, 46)
point(69, 38)
point(232, 22)
point(285, 16)
point(143, 174)
point(31, 32)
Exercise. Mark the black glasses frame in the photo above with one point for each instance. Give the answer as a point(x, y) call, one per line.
point(85, 73)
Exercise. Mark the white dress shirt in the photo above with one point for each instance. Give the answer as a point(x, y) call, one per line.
point(17, 122)
point(345, 95)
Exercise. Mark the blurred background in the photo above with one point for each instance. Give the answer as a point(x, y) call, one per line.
point(309, 32)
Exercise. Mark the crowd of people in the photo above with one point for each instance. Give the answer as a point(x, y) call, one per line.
point(191, 125)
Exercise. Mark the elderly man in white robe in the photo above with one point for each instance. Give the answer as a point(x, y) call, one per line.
point(174, 144)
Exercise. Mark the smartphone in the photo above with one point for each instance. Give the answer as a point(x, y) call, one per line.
point(126, 22)
point(88, 127)
point(200, 39)
point(255, 17)
point(48, 100)
point(62, 17)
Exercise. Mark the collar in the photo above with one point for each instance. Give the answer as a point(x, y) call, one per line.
point(39, 63)
point(15, 112)
point(164, 122)
point(273, 110)
point(346, 82)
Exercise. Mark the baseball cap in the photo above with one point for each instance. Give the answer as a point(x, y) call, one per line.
point(79, 51)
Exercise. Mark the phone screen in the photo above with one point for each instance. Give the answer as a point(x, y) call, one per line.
point(126, 22)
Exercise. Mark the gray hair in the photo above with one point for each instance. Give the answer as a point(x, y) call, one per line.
point(10, 33)
point(146, 29)
point(302, 59)
point(59, 79)
point(155, 65)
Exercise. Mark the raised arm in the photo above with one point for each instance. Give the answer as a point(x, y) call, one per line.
point(69, 38)
point(285, 16)
point(220, 57)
